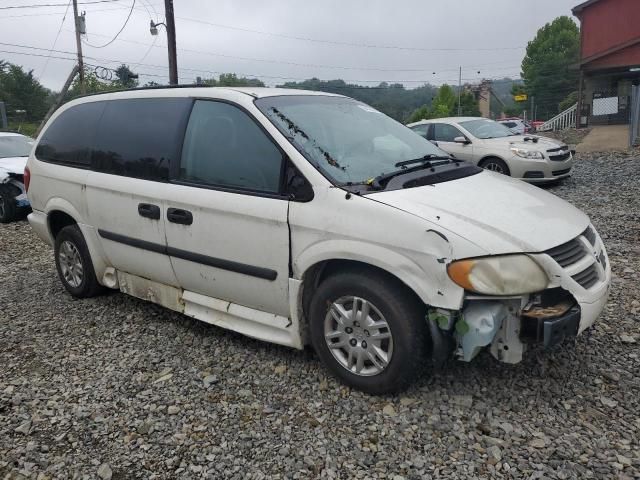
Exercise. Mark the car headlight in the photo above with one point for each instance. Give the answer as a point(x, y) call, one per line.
point(499, 275)
point(524, 153)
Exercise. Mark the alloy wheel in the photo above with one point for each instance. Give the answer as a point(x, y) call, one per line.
point(494, 167)
point(358, 336)
point(71, 264)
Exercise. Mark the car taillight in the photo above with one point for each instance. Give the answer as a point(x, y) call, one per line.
point(27, 178)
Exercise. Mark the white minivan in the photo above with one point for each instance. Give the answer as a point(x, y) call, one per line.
point(307, 218)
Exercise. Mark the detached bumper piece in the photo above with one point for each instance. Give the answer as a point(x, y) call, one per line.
point(550, 325)
point(555, 331)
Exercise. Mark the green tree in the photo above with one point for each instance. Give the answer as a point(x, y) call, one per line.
point(125, 77)
point(445, 104)
point(468, 105)
point(546, 66)
point(570, 100)
point(92, 85)
point(232, 80)
point(392, 99)
point(21, 91)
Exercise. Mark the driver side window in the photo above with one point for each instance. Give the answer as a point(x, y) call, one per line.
point(443, 132)
point(224, 147)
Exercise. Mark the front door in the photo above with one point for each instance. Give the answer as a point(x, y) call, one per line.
point(226, 221)
point(444, 134)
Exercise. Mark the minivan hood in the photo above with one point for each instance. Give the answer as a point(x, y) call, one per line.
point(497, 213)
point(12, 165)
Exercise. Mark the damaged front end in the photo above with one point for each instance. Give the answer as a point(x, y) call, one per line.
point(506, 326)
point(13, 195)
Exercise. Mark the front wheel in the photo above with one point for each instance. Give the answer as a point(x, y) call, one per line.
point(369, 330)
point(496, 165)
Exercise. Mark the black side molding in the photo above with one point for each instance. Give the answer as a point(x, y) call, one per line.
point(252, 271)
point(133, 242)
point(231, 266)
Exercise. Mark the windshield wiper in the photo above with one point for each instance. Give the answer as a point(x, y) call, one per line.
point(426, 160)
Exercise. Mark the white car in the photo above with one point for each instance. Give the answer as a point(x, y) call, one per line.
point(308, 218)
point(516, 125)
point(493, 146)
point(14, 151)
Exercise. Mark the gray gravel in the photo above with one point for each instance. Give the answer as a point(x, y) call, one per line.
point(117, 388)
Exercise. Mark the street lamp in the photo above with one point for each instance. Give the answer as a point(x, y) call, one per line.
point(153, 27)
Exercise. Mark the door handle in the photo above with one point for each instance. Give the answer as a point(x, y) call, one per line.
point(148, 210)
point(178, 215)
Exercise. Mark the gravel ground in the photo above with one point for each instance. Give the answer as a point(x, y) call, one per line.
point(114, 387)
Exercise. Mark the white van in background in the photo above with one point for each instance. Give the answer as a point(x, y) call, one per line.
point(306, 218)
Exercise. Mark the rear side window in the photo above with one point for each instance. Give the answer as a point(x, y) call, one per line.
point(140, 137)
point(421, 130)
point(224, 147)
point(68, 139)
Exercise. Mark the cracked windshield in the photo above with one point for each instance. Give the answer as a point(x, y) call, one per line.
point(347, 140)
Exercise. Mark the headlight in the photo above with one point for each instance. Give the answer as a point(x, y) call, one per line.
point(524, 153)
point(499, 275)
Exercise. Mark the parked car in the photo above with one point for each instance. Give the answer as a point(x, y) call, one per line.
point(14, 151)
point(309, 218)
point(516, 125)
point(493, 146)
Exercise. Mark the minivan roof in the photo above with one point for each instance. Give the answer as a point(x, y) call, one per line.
point(192, 90)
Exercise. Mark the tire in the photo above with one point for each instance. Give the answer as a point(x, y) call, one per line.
point(70, 248)
point(8, 207)
point(496, 165)
point(390, 301)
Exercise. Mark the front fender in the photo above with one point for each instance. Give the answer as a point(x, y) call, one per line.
point(422, 273)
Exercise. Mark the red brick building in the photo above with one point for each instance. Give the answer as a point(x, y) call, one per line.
point(609, 59)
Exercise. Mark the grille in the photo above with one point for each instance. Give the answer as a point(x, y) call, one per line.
point(603, 260)
point(590, 235)
point(559, 154)
point(567, 253)
point(561, 172)
point(534, 174)
point(588, 277)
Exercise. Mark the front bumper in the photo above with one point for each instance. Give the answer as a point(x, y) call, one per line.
point(539, 171)
point(572, 302)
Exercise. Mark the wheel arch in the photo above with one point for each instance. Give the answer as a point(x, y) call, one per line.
point(60, 213)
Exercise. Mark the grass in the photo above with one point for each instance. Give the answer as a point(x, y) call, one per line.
point(25, 128)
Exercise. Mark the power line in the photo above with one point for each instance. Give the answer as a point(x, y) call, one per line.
point(11, 7)
point(336, 42)
point(308, 65)
point(46, 63)
point(133, 4)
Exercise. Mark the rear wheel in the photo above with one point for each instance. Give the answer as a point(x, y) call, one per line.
point(369, 330)
point(8, 207)
point(496, 165)
point(73, 263)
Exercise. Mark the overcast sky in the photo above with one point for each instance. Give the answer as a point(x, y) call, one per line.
point(362, 41)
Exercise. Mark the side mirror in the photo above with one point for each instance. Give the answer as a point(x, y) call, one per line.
point(461, 140)
point(434, 142)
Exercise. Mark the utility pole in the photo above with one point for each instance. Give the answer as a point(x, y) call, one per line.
point(76, 21)
point(533, 99)
point(171, 42)
point(459, 90)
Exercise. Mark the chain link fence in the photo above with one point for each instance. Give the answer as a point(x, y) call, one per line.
point(634, 117)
